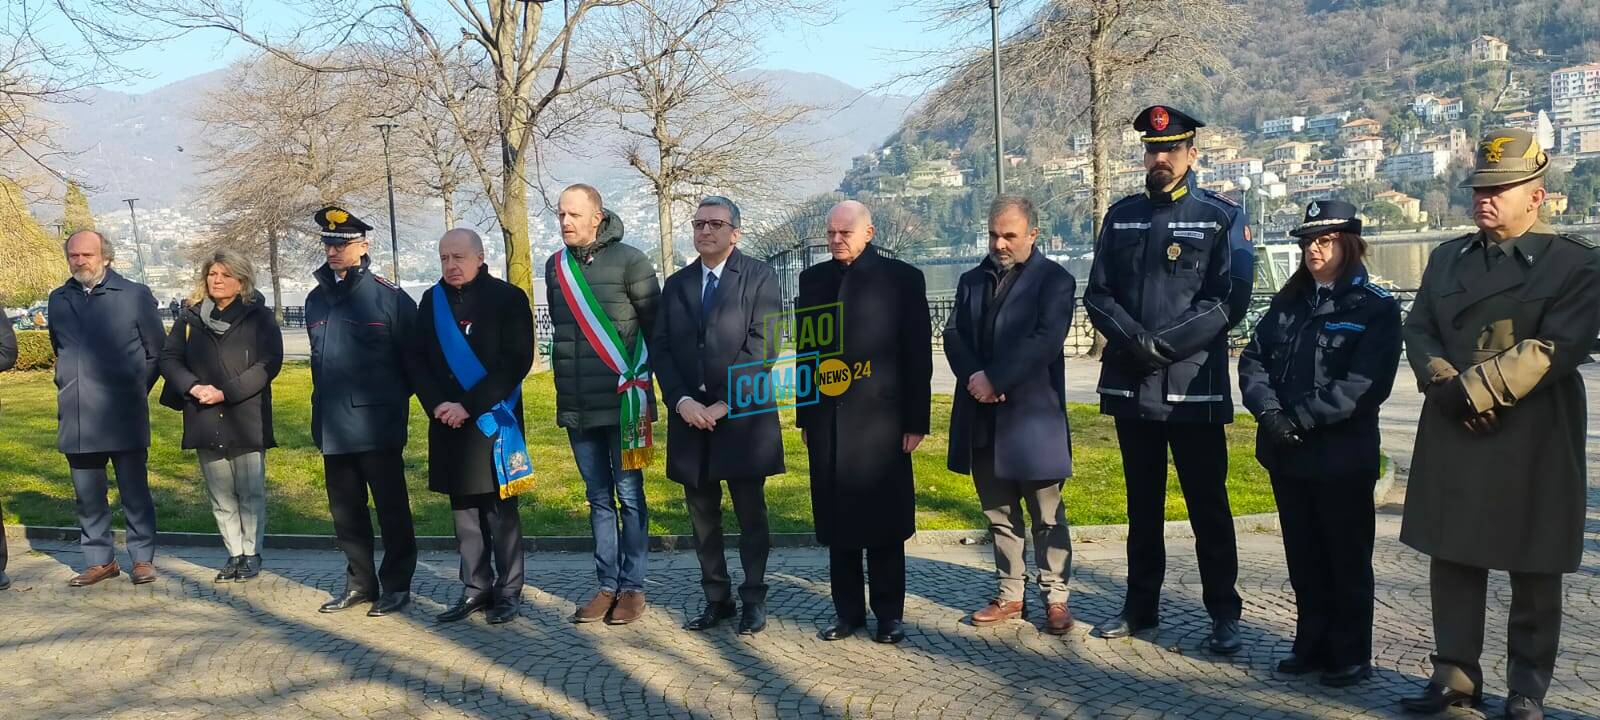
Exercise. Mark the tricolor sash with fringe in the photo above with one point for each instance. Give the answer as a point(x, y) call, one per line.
point(513, 472)
point(633, 370)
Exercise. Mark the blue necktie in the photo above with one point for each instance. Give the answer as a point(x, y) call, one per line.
point(707, 297)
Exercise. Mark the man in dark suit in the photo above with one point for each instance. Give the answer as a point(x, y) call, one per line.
point(468, 360)
point(871, 414)
point(713, 317)
point(107, 336)
point(1008, 426)
point(360, 328)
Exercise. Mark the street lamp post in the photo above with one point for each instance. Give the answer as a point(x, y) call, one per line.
point(388, 170)
point(999, 133)
point(138, 253)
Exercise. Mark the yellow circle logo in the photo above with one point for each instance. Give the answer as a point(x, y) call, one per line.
point(833, 377)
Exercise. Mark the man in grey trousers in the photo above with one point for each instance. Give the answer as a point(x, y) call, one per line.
point(1008, 425)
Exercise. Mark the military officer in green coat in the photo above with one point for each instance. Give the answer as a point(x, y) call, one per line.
point(1503, 320)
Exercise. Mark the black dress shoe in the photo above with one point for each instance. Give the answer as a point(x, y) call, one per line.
point(390, 602)
point(249, 567)
point(890, 632)
point(1522, 707)
point(230, 569)
point(839, 630)
point(1122, 626)
point(1437, 698)
point(464, 607)
point(1346, 676)
point(753, 619)
point(1297, 665)
point(711, 616)
point(504, 611)
point(344, 601)
point(1225, 638)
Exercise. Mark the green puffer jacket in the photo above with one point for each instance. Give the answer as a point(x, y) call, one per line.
point(623, 280)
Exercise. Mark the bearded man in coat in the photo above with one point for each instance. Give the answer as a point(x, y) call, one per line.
point(462, 379)
point(867, 421)
point(712, 319)
point(1498, 480)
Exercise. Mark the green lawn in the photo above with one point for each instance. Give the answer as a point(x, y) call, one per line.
point(37, 491)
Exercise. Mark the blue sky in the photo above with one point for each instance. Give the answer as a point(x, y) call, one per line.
point(859, 47)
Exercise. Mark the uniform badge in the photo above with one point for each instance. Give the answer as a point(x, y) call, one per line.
point(1173, 251)
point(1159, 119)
point(1314, 210)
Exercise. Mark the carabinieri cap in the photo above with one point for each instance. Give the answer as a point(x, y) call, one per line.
point(1164, 127)
point(338, 226)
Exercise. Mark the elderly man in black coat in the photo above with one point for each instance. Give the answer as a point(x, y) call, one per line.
point(107, 337)
point(495, 321)
point(871, 413)
point(1008, 425)
point(713, 317)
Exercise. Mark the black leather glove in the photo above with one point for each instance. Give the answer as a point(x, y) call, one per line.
point(1146, 350)
point(1451, 398)
point(1280, 428)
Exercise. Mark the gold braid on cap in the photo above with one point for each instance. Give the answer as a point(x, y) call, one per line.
point(1169, 138)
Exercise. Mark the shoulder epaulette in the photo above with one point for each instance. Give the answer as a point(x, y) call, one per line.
point(1220, 196)
point(386, 282)
point(1378, 290)
point(1582, 240)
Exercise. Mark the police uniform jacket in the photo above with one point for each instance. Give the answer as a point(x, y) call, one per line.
point(360, 330)
point(495, 318)
point(1515, 331)
point(1179, 266)
point(107, 341)
point(861, 481)
point(1327, 361)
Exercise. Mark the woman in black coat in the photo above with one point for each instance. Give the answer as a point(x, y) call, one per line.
point(1321, 362)
point(219, 362)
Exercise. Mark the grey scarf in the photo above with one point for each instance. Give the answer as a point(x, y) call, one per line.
point(218, 327)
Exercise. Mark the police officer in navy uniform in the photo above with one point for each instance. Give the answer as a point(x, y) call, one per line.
point(360, 326)
point(1172, 274)
point(1321, 362)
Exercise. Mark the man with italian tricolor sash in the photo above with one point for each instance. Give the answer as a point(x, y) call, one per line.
point(602, 296)
point(473, 348)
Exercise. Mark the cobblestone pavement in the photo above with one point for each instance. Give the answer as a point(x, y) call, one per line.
point(186, 648)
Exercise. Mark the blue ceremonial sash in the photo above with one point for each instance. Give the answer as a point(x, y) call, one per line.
point(512, 470)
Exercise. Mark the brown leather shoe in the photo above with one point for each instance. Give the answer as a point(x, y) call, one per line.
point(998, 611)
point(596, 608)
point(1058, 619)
point(95, 573)
point(142, 573)
point(630, 606)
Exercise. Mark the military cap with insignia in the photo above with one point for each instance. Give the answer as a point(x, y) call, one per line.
point(1507, 156)
point(1164, 127)
point(1326, 216)
point(338, 226)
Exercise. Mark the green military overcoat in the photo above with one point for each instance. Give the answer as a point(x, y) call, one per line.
point(1516, 332)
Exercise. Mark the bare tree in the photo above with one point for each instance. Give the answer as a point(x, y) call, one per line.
point(897, 231)
point(281, 142)
point(699, 120)
point(1102, 57)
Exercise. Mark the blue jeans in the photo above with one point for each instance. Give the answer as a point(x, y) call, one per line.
point(598, 452)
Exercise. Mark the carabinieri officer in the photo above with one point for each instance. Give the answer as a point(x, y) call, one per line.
point(1321, 362)
point(1172, 273)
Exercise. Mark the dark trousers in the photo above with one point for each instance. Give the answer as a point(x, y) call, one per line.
point(349, 476)
point(1533, 631)
point(705, 515)
point(886, 569)
point(3, 554)
point(489, 538)
point(1328, 526)
point(90, 483)
point(1200, 452)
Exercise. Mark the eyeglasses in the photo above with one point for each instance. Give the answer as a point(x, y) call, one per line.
point(713, 224)
point(1321, 243)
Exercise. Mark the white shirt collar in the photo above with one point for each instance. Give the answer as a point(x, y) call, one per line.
point(710, 271)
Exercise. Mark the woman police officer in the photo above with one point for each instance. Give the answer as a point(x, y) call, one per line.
point(1319, 364)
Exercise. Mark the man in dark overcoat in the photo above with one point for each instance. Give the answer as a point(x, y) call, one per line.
point(1498, 480)
point(107, 337)
point(496, 322)
point(713, 316)
point(1008, 424)
point(872, 413)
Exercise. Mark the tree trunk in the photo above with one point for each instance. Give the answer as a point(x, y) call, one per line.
point(272, 269)
point(449, 197)
point(1100, 137)
point(664, 217)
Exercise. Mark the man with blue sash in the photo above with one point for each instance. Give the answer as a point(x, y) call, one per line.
point(474, 347)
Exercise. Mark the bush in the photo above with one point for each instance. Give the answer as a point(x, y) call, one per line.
point(34, 351)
